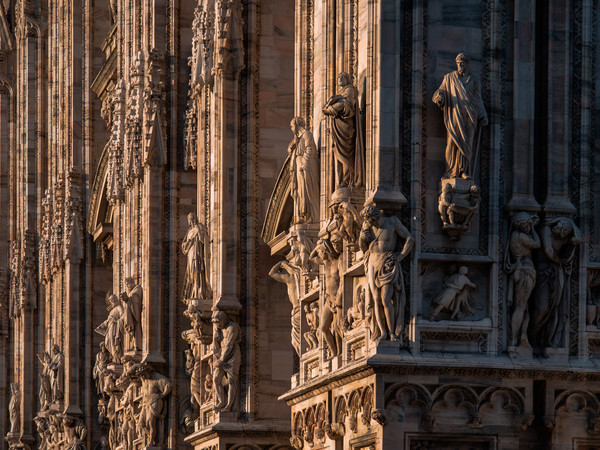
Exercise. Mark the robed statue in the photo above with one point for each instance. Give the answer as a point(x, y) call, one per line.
point(195, 246)
point(459, 97)
point(346, 133)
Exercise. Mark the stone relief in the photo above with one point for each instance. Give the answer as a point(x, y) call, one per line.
point(196, 247)
point(456, 296)
point(305, 173)
point(311, 313)
point(226, 361)
point(379, 240)
point(345, 129)
point(560, 238)
point(459, 97)
point(356, 314)
point(518, 263)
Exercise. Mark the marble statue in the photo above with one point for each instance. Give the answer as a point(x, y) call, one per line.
point(456, 296)
point(300, 249)
point(56, 368)
point(459, 96)
point(128, 419)
point(345, 128)
point(113, 329)
point(355, 316)
point(194, 368)
point(560, 238)
point(379, 240)
point(286, 273)
point(195, 246)
point(100, 373)
point(311, 313)
point(132, 301)
point(305, 173)
point(155, 387)
point(226, 361)
point(45, 385)
point(518, 263)
point(457, 204)
point(14, 407)
point(330, 322)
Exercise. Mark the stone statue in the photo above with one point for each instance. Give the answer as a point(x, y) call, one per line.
point(101, 373)
point(45, 386)
point(195, 246)
point(113, 329)
point(14, 408)
point(300, 249)
point(456, 296)
point(330, 322)
point(286, 273)
point(132, 302)
point(304, 168)
point(194, 366)
point(155, 387)
point(459, 96)
point(560, 238)
point(128, 419)
point(379, 239)
point(355, 316)
point(519, 265)
point(457, 204)
point(226, 360)
point(311, 313)
point(208, 388)
point(56, 368)
point(345, 127)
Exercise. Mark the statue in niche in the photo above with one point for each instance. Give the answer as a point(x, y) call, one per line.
point(519, 265)
point(56, 368)
point(226, 360)
point(195, 246)
point(311, 312)
point(45, 385)
point(330, 323)
point(286, 273)
point(155, 387)
point(132, 302)
point(456, 296)
point(355, 316)
point(208, 388)
point(305, 173)
point(379, 239)
point(346, 133)
point(459, 96)
point(14, 408)
point(113, 329)
point(560, 238)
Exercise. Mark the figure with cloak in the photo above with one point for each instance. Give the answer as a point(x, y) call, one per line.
point(456, 296)
point(459, 97)
point(132, 300)
point(113, 328)
point(560, 238)
point(304, 168)
point(348, 149)
point(195, 246)
point(56, 368)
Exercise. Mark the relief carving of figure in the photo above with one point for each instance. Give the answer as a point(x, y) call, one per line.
point(459, 96)
point(195, 246)
point(379, 240)
point(155, 387)
point(355, 315)
point(311, 313)
point(330, 322)
point(300, 249)
point(226, 361)
point(113, 329)
point(193, 366)
point(304, 167)
point(560, 238)
point(56, 368)
point(45, 386)
point(345, 127)
point(128, 425)
point(457, 206)
point(14, 408)
point(286, 273)
point(132, 302)
point(456, 296)
point(519, 265)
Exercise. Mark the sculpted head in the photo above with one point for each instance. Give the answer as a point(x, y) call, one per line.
point(462, 63)
point(463, 270)
point(129, 283)
point(297, 124)
point(343, 79)
point(219, 318)
point(372, 215)
point(523, 221)
point(192, 219)
point(55, 349)
point(562, 228)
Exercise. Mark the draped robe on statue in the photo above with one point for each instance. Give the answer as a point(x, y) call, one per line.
point(463, 108)
point(304, 165)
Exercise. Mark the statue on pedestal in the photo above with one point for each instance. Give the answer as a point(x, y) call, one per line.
point(45, 386)
point(311, 313)
point(345, 127)
point(132, 301)
point(519, 265)
point(227, 358)
point(379, 239)
point(304, 168)
point(113, 329)
point(195, 246)
point(56, 368)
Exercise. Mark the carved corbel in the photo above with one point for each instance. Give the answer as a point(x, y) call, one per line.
point(335, 430)
point(378, 415)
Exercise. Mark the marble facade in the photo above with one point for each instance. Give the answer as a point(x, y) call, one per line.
point(309, 224)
